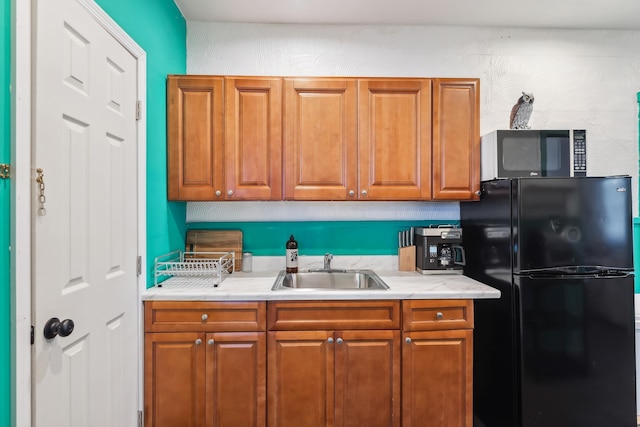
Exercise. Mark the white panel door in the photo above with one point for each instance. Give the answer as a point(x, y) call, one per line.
point(85, 227)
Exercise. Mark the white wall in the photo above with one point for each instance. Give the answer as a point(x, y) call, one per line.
point(580, 79)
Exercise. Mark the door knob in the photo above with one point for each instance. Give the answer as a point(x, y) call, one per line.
point(55, 327)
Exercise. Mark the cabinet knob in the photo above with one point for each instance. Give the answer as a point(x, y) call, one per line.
point(478, 193)
point(210, 342)
point(218, 193)
point(198, 341)
point(205, 317)
point(339, 341)
point(439, 315)
point(364, 193)
point(407, 340)
point(230, 193)
point(352, 193)
point(330, 340)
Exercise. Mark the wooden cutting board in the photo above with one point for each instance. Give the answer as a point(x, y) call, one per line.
point(216, 241)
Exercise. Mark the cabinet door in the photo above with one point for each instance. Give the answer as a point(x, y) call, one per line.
point(367, 378)
point(320, 139)
point(174, 382)
point(437, 379)
point(394, 122)
point(253, 138)
point(236, 379)
point(301, 382)
point(195, 132)
point(456, 139)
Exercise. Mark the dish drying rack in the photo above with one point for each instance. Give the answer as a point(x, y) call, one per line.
point(179, 268)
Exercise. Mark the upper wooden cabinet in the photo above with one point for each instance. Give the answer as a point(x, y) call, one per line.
point(456, 139)
point(394, 136)
point(320, 139)
point(323, 138)
point(253, 138)
point(224, 138)
point(195, 133)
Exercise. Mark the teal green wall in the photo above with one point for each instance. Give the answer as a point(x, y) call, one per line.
point(5, 143)
point(317, 238)
point(159, 28)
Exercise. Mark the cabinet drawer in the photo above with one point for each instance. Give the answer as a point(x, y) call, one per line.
point(290, 315)
point(427, 315)
point(204, 316)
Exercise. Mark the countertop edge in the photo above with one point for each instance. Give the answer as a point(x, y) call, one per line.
point(257, 287)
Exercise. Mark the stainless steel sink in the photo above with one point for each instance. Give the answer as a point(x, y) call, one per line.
point(329, 280)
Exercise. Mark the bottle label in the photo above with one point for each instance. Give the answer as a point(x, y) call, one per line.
point(292, 258)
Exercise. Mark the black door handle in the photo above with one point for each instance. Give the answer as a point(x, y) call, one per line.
point(55, 327)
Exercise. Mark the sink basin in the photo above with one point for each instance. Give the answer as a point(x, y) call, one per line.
point(329, 280)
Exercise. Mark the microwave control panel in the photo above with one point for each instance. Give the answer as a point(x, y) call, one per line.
point(579, 152)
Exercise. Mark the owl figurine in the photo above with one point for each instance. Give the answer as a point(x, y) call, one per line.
point(521, 112)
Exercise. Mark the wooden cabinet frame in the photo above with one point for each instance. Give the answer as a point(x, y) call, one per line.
point(456, 139)
point(205, 363)
point(324, 354)
point(328, 363)
point(323, 138)
point(195, 136)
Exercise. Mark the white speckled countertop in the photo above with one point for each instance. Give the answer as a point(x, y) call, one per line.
point(256, 286)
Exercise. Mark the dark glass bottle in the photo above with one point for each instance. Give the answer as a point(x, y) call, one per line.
point(292, 255)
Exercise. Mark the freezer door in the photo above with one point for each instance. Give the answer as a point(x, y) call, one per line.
point(577, 352)
point(561, 222)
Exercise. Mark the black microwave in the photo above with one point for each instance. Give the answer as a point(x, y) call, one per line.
point(533, 153)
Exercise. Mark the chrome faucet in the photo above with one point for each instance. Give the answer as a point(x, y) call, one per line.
point(327, 261)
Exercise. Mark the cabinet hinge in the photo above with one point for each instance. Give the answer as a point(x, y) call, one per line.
point(5, 171)
point(139, 265)
point(138, 110)
point(33, 335)
point(140, 419)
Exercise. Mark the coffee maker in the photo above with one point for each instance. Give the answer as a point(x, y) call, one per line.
point(439, 249)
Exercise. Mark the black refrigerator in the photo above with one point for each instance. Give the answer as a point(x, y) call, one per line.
point(557, 349)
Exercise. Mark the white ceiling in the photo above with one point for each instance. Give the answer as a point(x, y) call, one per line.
point(572, 14)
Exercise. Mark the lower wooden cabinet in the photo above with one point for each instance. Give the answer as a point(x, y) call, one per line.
point(334, 378)
point(174, 382)
point(311, 363)
point(213, 379)
point(236, 379)
point(195, 379)
point(437, 363)
point(436, 379)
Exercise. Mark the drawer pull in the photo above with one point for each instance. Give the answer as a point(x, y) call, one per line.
point(439, 315)
point(205, 317)
point(210, 342)
point(198, 341)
